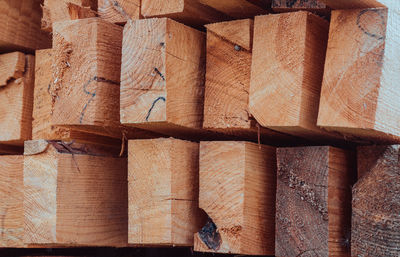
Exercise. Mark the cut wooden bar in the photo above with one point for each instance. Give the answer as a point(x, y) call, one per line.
point(16, 97)
point(226, 101)
point(360, 93)
point(20, 26)
point(119, 11)
point(313, 209)
point(65, 10)
point(11, 205)
point(190, 12)
point(162, 77)
point(236, 8)
point(163, 192)
point(376, 204)
point(42, 126)
point(237, 191)
point(287, 67)
point(85, 74)
point(74, 195)
point(315, 6)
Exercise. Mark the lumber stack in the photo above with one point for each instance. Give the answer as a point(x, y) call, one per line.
point(225, 127)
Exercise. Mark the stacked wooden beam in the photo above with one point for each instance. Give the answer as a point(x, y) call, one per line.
point(226, 126)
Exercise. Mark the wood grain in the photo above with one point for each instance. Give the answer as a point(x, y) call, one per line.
point(11, 206)
point(119, 11)
point(376, 205)
point(162, 77)
point(237, 191)
point(313, 207)
point(65, 10)
point(20, 26)
point(12, 66)
point(359, 95)
point(228, 67)
point(74, 196)
point(163, 192)
point(190, 12)
point(16, 99)
point(86, 72)
point(42, 126)
point(288, 57)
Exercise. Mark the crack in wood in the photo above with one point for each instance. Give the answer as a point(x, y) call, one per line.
point(152, 106)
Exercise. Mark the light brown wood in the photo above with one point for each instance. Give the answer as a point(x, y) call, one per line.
point(315, 6)
point(359, 94)
point(20, 26)
point(190, 12)
point(287, 67)
point(228, 66)
point(65, 10)
point(12, 66)
point(119, 11)
point(86, 70)
point(42, 126)
point(85, 92)
point(74, 195)
point(313, 209)
point(11, 206)
point(163, 192)
point(237, 191)
point(16, 98)
point(376, 204)
point(162, 77)
point(237, 9)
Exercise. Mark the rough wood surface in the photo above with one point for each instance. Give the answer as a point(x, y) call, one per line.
point(74, 196)
point(11, 206)
point(162, 77)
point(376, 204)
point(86, 69)
point(85, 92)
point(65, 10)
point(287, 66)
point(237, 191)
point(228, 66)
point(20, 26)
point(163, 192)
point(359, 92)
point(359, 4)
point(16, 98)
point(237, 9)
point(119, 11)
point(313, 210)
point(315, 6)
point(42, 126)
point(12, 67)
point(190, 12)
